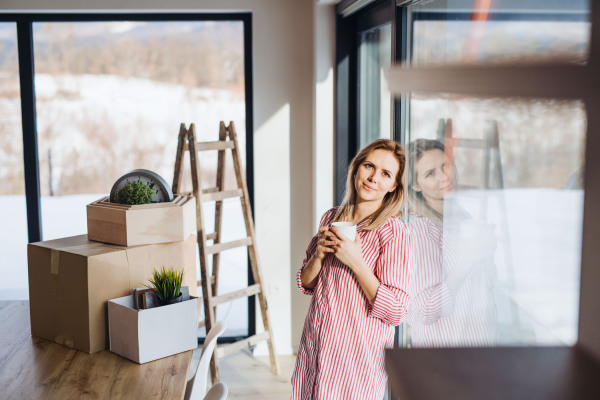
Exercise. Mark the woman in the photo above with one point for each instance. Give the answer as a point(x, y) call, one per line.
point(451, 299)
point(358, 287)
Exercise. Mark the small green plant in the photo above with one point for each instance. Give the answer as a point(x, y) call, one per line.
point(166, 283)
point(135, 192)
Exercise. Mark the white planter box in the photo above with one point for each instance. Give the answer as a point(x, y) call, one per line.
point(147, 335)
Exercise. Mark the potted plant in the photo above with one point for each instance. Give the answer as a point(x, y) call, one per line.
point(135, 192)
point(166, 285)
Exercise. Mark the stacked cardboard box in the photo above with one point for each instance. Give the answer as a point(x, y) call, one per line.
point(72, 279)
point(128, 225)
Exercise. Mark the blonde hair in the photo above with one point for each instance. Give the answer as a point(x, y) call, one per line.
point(415, 201)
point(391, 205)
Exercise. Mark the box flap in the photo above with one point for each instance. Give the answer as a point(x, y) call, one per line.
point(79, 245)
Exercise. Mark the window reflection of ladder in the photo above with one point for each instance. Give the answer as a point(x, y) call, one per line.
point(227, 140)
point(490, 144)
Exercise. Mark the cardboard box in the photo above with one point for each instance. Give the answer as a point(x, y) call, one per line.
point(72, 279)
point(127, 225)
point(147, 335)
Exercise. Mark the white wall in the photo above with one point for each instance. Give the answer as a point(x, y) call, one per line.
point(322, 146)
point(285, 131)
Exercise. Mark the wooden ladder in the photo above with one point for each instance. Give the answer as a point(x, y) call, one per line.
point(227, 140)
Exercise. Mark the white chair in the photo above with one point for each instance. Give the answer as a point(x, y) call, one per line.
point(197, 385)
point(217, 392)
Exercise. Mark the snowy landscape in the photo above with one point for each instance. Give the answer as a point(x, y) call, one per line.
point(94, 127)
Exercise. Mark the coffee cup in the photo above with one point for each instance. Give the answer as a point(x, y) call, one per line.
point(347, 229)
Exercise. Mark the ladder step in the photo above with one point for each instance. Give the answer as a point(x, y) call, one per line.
point(210, 190)
point(245, 292)
point(212, 280)
point(466, 143)
point(225, 194)
point(226, 349)
point(211, 236)
point(219, 247)
point(218, 145)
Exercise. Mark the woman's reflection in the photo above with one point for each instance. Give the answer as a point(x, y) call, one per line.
point(452, 256)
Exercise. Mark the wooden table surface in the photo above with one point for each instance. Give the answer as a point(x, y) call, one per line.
point(35, 368)
point(513, 373)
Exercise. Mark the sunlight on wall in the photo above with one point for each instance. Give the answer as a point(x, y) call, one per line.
point(272, 215)
point(323, 148)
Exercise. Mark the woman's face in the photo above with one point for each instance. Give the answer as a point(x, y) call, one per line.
point(376, 176)
point(435, 176)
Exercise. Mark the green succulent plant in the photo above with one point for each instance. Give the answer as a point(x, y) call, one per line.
point(135, 192)
point(166, 283)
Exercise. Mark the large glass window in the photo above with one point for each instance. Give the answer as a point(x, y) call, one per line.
point(110, 96)
point(374, 57)
point(13, 236)
point(511, 214)
point(495, 184)
point(456, 32)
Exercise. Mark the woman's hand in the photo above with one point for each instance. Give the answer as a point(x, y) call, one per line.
point(326, 243)
point(310, 273)
point(346, 250)
point(349, 252)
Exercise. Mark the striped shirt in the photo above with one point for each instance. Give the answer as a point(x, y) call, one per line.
point(438, 317)
point(341, 353)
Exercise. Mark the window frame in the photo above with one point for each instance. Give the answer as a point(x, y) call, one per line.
point(577, 82)
point(348, 28)
point(26, 61)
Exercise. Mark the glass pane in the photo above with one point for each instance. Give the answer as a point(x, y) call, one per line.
point(111, 97)
point(502, 31)
point(496, 205)
point(374, 55)
point(13, 214)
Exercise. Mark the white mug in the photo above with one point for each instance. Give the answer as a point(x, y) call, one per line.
point(348, 229)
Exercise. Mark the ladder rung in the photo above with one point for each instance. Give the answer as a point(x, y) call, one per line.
point(225, 194)
point(219, 247)
point(219, 145)
point(467, 143)
point(210, 190)
point(226, 349)
point(245, 292)
point(212, 280)
point(211, 236)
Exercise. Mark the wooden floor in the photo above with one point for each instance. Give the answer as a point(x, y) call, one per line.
point(250, 378)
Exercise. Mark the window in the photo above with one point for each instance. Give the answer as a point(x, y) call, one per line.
point(374, 55)
point(12, 191)
point(518, 162)
point(519, 168)
point(110, 93)
point(364, 107)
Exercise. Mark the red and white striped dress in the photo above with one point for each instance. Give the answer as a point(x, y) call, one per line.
point(438, 317)
point(341, 353)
